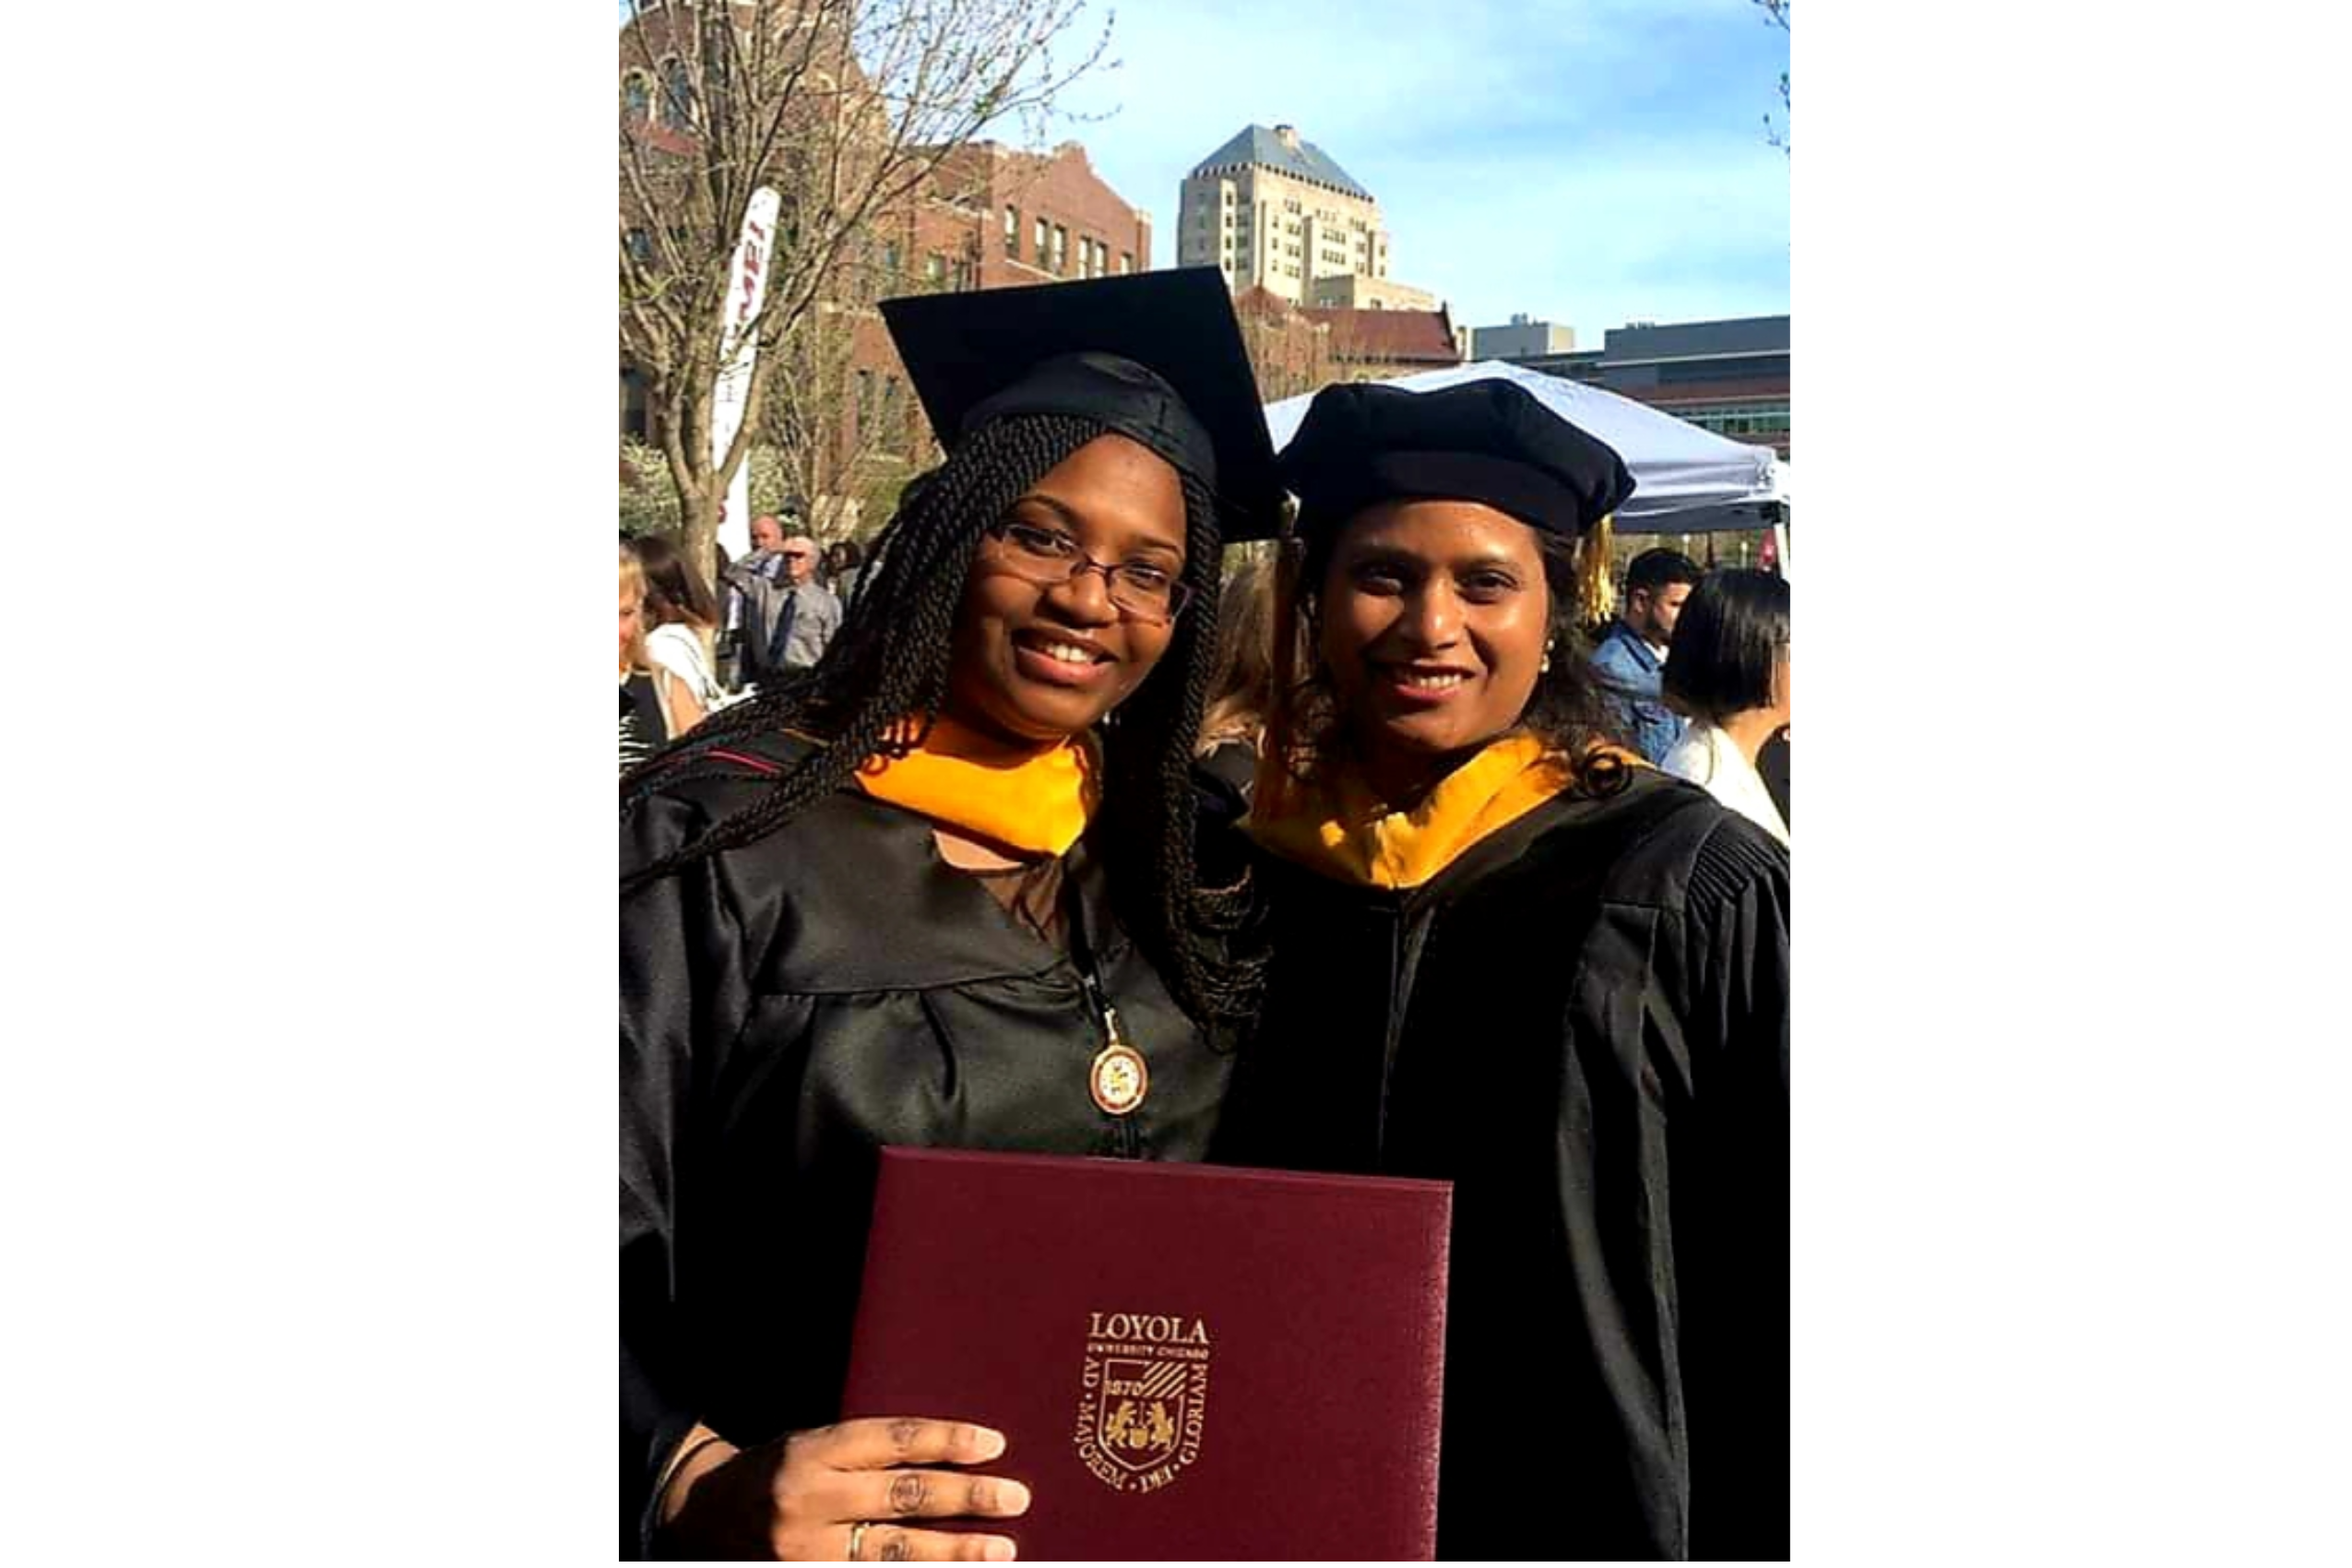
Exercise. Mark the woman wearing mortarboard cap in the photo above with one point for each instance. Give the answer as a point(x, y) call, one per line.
point(897, 899)
point(1508, 953)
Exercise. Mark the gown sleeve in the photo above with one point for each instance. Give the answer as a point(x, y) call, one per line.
point(684, 997)
point(1733, 1252)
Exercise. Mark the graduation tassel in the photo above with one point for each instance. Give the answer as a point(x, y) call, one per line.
point(1270, 791)
point(1596, 592)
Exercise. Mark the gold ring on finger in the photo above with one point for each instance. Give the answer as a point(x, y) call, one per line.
point(857, 1540)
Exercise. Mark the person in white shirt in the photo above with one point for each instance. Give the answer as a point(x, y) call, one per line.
point(681, 615)
point(1728, 670)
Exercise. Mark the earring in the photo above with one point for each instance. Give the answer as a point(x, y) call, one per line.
point(1545, 668)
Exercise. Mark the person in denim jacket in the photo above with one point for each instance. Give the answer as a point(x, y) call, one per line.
point(1631, 656)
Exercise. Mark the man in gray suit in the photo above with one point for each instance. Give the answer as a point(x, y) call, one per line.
point(785, 616)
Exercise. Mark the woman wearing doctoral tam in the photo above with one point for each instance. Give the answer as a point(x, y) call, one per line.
point(1508, 954)
point(898, 898)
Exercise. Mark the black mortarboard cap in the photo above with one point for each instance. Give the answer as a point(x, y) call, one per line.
point(1155, 356)
point(1487, 441)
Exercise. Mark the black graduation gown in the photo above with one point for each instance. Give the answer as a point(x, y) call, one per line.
point(787, 1008)
point(644, 729)
point(1583, 1024)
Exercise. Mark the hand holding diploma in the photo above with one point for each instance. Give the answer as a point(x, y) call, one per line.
point(839, 1492)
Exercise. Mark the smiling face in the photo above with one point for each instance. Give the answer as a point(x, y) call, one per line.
point(1434, 617)
point(1038, 662)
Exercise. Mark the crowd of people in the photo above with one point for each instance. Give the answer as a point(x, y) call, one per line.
point(694, 653)
point(1371, 858)
point(1697, 663)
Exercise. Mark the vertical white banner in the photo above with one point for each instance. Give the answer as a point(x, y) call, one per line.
point(746, 287)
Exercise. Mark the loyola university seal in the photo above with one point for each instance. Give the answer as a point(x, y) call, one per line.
point(1142, 1397)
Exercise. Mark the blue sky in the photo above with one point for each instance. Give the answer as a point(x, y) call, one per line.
point(1588, 161)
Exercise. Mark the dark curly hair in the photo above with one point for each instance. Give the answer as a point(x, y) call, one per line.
point(889, 660)
point(1570, 710)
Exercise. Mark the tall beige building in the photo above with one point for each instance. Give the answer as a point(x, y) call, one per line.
point(1276, 213)
point(1355, 292)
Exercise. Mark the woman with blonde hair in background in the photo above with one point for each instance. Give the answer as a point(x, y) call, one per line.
point(1233, 720)
point(656, 706)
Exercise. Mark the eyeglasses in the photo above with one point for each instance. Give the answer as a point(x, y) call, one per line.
point(1138, 592)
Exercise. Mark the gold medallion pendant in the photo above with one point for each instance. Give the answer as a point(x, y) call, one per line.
point(1119, 1079)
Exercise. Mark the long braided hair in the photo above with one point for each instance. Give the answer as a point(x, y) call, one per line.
point(889, 660)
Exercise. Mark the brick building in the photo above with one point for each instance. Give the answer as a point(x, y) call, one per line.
point(1038, 217)
point(991, 217)
point(1367, 345)
point(1288, 353)
point(1296, 349)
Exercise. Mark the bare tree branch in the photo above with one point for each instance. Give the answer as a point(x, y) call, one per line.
point(846, 108)
point(1776, 14)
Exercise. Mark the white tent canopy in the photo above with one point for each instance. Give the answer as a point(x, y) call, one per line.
point(1685, 479)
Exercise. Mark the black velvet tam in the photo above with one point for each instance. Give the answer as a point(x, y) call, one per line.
point(1483, 440)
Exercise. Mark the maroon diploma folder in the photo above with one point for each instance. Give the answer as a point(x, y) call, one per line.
point(1188, 1361)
